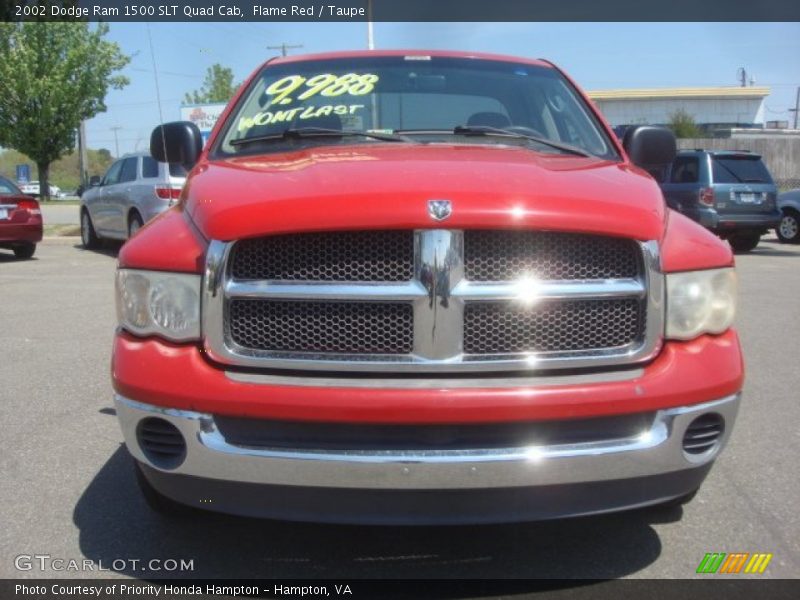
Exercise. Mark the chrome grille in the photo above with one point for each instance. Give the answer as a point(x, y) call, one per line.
point(546, 255)
point(336, 256)
point(352, 327)
point(582, 301)
point(502, 328)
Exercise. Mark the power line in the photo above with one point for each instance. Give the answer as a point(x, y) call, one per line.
point(143, 102)
point(172, 73)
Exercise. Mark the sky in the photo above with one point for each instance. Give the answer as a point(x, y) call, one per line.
point(596, 55)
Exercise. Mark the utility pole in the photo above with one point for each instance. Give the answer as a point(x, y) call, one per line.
point(115, 129)
point(284, 47)
point(741, 75)
point(83, 163)
point(796, 108)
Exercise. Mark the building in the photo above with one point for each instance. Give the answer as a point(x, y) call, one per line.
point(710, 107)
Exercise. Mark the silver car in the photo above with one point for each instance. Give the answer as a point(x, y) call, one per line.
point(135, 189)
point(789, 228)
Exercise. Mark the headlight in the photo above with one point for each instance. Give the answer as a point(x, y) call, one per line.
point(700, 302)
point(158, 303)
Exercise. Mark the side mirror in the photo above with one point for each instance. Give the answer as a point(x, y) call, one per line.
point(650, 147)
point(177, 142)
point(94, 180)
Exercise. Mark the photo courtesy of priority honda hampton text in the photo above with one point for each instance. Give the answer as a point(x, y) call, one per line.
point(421, 287)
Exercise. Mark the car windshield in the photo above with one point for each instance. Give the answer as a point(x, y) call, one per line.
point(413, 99)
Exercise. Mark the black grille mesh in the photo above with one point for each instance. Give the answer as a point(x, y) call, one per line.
point(320, 327)
point(703, 433)
point(508, 255)
point(161, 442)
point(501, 328)
point(329, 256)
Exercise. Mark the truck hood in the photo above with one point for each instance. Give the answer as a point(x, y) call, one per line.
point(375, 186)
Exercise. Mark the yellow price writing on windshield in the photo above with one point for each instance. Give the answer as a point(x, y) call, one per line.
point(325, 84)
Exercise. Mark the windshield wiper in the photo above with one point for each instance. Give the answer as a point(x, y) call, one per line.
point(487, 130)
point(312, 132)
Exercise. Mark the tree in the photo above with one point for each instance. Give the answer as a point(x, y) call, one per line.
point(217, 86)
point(683, 125)
point(53, 76)
point(64, 172)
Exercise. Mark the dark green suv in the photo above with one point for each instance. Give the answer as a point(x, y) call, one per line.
point(729, 192)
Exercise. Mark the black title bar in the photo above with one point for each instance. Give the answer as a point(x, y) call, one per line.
point(400, 10)
point(552, 589)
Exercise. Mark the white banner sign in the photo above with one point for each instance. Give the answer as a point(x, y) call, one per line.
point(203, 115)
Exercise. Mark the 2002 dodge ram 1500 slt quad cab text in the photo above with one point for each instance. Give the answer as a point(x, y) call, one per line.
point(421, 287)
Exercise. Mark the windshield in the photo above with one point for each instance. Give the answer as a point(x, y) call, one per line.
point(424, 99)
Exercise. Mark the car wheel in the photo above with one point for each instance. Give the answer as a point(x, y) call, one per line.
point(788, 229)
point(744, 242)
point(89, 238)
point(25, 251)
point(157, 501)
point(135, 223)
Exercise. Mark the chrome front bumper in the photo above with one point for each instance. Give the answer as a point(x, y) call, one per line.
point(655, 451)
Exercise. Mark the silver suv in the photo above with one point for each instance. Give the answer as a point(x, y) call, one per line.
point(135, 189)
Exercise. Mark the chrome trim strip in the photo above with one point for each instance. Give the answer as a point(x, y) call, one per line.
point(431, 383)
point(656, 450)
point(531, 292)
point(376, 292)
point(438, 294)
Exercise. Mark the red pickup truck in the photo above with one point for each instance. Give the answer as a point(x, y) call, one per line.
point(421, 287)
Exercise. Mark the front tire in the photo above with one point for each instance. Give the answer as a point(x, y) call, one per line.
point(788, 229)
point(25, 251)
point(89, 237)
point(744, 242)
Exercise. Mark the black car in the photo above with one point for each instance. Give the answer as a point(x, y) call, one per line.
point(729, 192)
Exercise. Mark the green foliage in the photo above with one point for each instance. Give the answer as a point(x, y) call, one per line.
point(683, 125)
point(64, 172)
point(217, 86)
point(53, 76)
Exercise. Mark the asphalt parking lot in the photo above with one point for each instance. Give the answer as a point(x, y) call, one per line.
point(68, 489)
point(55, 214)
